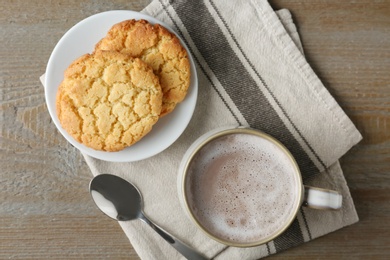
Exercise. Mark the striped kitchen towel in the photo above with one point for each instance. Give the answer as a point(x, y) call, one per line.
point(251, 72)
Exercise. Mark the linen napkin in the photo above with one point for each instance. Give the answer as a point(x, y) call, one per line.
point(252, 72)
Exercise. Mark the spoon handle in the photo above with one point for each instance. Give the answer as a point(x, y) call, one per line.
point(185, 250)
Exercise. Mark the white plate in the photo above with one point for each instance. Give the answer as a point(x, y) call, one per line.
point(81, 39)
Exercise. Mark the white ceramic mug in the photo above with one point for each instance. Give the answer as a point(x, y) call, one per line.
point(243, 188)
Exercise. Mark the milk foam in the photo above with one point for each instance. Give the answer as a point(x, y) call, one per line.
point(242, 188)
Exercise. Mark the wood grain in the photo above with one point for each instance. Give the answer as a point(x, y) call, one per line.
point(45, 208)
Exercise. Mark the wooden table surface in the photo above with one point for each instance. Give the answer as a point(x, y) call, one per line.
point(45, 208)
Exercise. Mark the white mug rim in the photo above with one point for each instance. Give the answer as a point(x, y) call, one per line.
point(212, 135)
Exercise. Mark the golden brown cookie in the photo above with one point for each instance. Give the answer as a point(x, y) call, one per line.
point(108, 100)
point(160, 49)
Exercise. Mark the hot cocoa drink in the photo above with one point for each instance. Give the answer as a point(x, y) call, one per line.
point(242, 188)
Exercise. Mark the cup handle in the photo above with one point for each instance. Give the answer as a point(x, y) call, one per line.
point(318, 198)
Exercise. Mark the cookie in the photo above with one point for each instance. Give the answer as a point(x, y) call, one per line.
point(108, 100)
point(160, 49)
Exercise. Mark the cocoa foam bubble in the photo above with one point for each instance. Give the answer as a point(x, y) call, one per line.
point(242, 188)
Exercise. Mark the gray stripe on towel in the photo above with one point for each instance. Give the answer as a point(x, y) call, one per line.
point(245, 93)
point(236, 80)
point(290, 238)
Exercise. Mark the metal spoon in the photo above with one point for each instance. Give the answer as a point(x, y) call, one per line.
point(122, 201)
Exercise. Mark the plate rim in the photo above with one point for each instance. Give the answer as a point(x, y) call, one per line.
point(120, 156)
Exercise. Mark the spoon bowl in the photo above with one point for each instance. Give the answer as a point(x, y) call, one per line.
point(122, 201)
point(116, 197)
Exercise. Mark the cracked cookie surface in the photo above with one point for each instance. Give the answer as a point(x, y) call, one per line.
point(108, 100)
point(160, 49)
